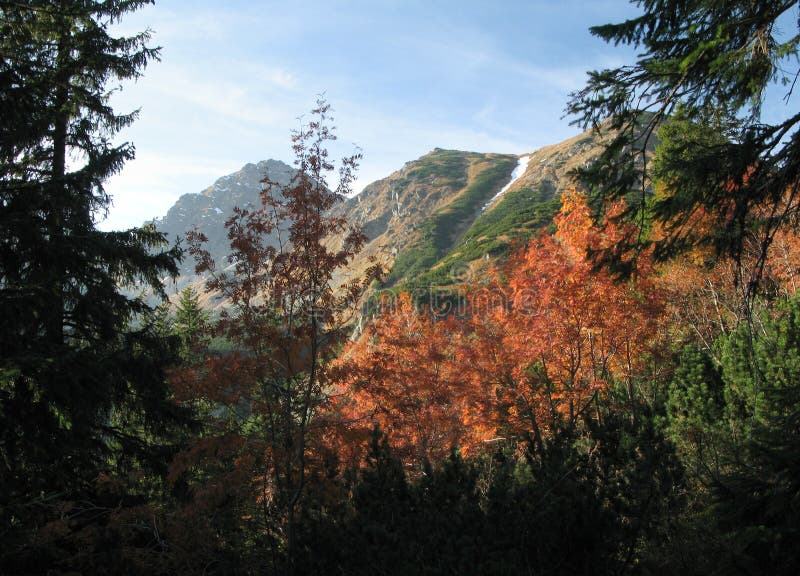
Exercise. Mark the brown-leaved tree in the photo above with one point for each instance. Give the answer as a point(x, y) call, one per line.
point(285, 315)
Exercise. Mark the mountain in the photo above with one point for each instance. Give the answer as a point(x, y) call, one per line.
point(449, 214)
point(444, 215)
point(414, 216)
point(208, 210)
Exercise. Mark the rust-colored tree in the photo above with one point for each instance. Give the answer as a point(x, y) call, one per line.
point(539, 347)
point(710, 294)
point(406, 376)
point(563, 332)
point(284, 318)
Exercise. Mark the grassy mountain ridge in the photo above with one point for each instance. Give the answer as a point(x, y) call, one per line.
point(442, 230)
point(418, 213)
point(525, 208)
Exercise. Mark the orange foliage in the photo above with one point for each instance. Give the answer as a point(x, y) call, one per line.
point(566, 330)
point(540, 343)
point(784, 260)
point(260, 448)
point(709, 293)
point(405, 375)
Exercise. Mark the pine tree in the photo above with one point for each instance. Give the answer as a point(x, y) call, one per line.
point(190, 323)
point(711, 61)
point(738, 435)
point(81, 374)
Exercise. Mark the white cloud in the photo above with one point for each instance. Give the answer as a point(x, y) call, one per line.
point(221, 97)
point(282, 79)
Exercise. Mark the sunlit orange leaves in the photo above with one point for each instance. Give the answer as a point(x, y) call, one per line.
point(566, 330)
point(540, 342)
point(406, 375)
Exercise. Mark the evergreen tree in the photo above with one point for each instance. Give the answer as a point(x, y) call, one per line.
point(735, 426)
point(190, 322)
point(713, 60)
point(81, 374)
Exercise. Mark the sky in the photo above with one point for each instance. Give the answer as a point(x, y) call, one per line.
point(403, 77)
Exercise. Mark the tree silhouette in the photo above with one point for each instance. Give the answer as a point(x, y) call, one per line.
point(82, 387)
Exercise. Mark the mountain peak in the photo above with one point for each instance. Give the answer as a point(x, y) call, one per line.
point(441, 212)
point(210, 208)
point(249, 176)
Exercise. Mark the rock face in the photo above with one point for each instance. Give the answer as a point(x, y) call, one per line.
point(208, 210)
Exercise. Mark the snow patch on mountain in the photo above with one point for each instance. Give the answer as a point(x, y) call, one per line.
point(522, 165)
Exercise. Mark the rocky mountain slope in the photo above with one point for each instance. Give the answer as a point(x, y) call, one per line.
point(444, 215)
point(450, 214)
point(209, 209)
point(414, 216)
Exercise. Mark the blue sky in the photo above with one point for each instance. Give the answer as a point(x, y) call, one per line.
point(403, 78)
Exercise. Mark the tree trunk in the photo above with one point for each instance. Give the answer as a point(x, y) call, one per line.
point(53, 266)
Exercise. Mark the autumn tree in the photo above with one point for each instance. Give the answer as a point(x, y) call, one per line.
point(284, 317)
point(539, 348)
point(406, 375)
point(709, 296)
point(563, 333)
